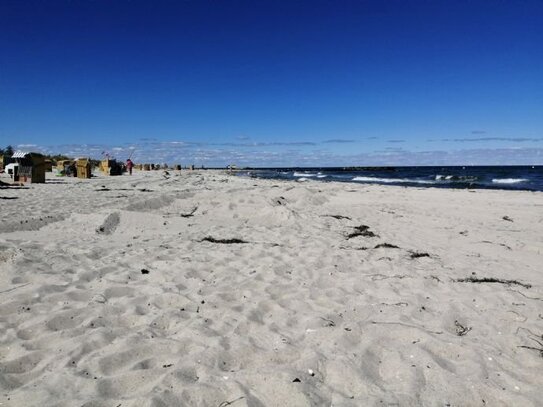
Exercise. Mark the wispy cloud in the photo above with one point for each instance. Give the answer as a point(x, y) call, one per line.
point(338, 141)
point(294, 154)
point(265, 144)
point(293, 143)
point(388, 151)
point(478, 132)
point(396, 141)
point(513, 139)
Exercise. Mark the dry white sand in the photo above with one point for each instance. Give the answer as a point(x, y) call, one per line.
point(111, 296)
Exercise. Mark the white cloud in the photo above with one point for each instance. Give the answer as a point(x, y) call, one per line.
point(268, 155)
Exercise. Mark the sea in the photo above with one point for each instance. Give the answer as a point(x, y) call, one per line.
point(527, 178)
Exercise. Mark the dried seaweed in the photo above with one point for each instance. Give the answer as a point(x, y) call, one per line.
point(328, 322)
point(386, 246)
point(461, 330)
point(338, 217)
point(223, 241)
point(537, 339)
point(190, 214)
point(228, 403)
point(416, 255)
point(492, 280)
point(361, 230)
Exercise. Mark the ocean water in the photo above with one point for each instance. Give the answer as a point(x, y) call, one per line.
point(528, 178)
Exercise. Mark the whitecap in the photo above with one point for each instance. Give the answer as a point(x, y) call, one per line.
point(392, 180)
point(303, 174)
point(440, 177)
point(508, 180)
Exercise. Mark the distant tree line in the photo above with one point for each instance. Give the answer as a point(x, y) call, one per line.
point(9, 150)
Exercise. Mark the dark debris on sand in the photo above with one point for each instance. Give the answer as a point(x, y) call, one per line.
point(386, 246)
point(338, 217)
point(461, 330)
point(416, 255)
point(538, 339)
point(223, 241)
point(190, 214)
point(492, 280)
point(362, 230)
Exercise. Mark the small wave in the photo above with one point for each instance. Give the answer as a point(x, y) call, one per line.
point(444, 177)
point(321, 176)
point(456, 178)
point(392, 180)
point(302, 174)
point(508, 180)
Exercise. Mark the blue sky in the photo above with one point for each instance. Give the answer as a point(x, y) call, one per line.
point(275, 83)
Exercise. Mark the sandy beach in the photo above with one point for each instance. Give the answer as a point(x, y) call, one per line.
point(207, 289)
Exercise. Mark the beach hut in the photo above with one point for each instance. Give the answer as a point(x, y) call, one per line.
point(111, 167)
point(66, 167)
point(105, 166)
point(48, 165)
point(63, 164)
point(31, 167)
point(84, 169)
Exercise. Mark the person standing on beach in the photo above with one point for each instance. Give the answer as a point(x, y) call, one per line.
point(129, 165)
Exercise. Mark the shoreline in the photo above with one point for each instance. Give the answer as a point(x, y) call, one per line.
point(460, 177)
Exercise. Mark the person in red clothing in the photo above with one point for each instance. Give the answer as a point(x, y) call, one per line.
point(129, 165)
